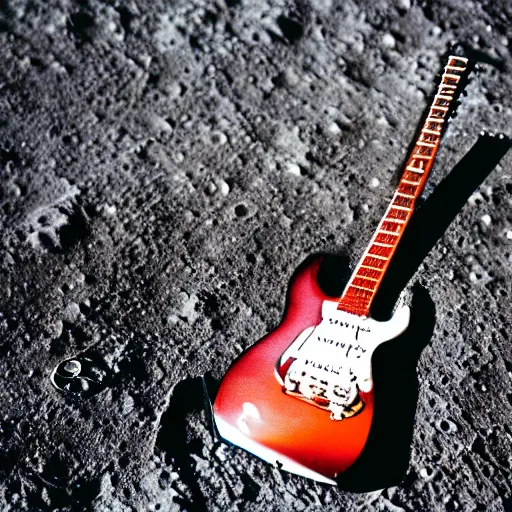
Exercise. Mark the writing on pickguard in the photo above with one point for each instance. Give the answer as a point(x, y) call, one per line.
point(348, 325)
point(358, 349)
point(328, 368)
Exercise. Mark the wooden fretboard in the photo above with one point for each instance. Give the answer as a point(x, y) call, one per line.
point(369, 272)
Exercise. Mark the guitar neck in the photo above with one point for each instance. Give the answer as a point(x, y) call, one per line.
point(369, 272)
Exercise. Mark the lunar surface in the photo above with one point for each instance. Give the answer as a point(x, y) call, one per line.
point(165, 166)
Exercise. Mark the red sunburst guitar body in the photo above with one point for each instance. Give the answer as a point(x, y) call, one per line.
point(303, 396)
point(292, 436)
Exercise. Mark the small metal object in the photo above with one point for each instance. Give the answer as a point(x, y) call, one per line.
point(81, 376)
point(72, 367)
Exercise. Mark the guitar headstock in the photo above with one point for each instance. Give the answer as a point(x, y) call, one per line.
point(458, 56)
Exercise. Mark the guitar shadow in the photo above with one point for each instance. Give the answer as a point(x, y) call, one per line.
point(176, 443)
point(385, 458)
point(432, 218)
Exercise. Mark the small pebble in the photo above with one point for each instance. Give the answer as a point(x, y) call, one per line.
point(334, 128)
point(224, 188)
point(211, 188)
point(486, 219)
point(72, 313)
point(293, 169)
point(110, 210)
point(388, 41)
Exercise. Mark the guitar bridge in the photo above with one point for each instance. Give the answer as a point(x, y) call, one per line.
point(326, 390)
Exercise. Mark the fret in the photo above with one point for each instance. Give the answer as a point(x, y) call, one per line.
point(383, 245)
point(378, 256)
point(429, 125)
point(443, 97)
point(449, 86)
point(359, 276)
point(377, 261)
point(369, 272)
point(435, 120)
point(431, 132)
point(371, 268)
point(404, 208)
point(421, 157)
point(455, 68)
point(438, 107)
point(394, 233)
point(458, 57)
point(411, 168)
point(405, 195)
point(407, 182)
point(425, 144)
point(449, 92)
point(361, 288)
point(396, 221)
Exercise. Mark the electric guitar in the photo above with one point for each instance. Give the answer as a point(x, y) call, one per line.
point(302, 397)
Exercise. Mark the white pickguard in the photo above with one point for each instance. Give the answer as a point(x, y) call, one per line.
point(332, 361)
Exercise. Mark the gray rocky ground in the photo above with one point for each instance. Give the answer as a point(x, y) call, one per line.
point(164, 168)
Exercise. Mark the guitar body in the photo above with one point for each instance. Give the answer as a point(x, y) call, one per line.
point(254, 410)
